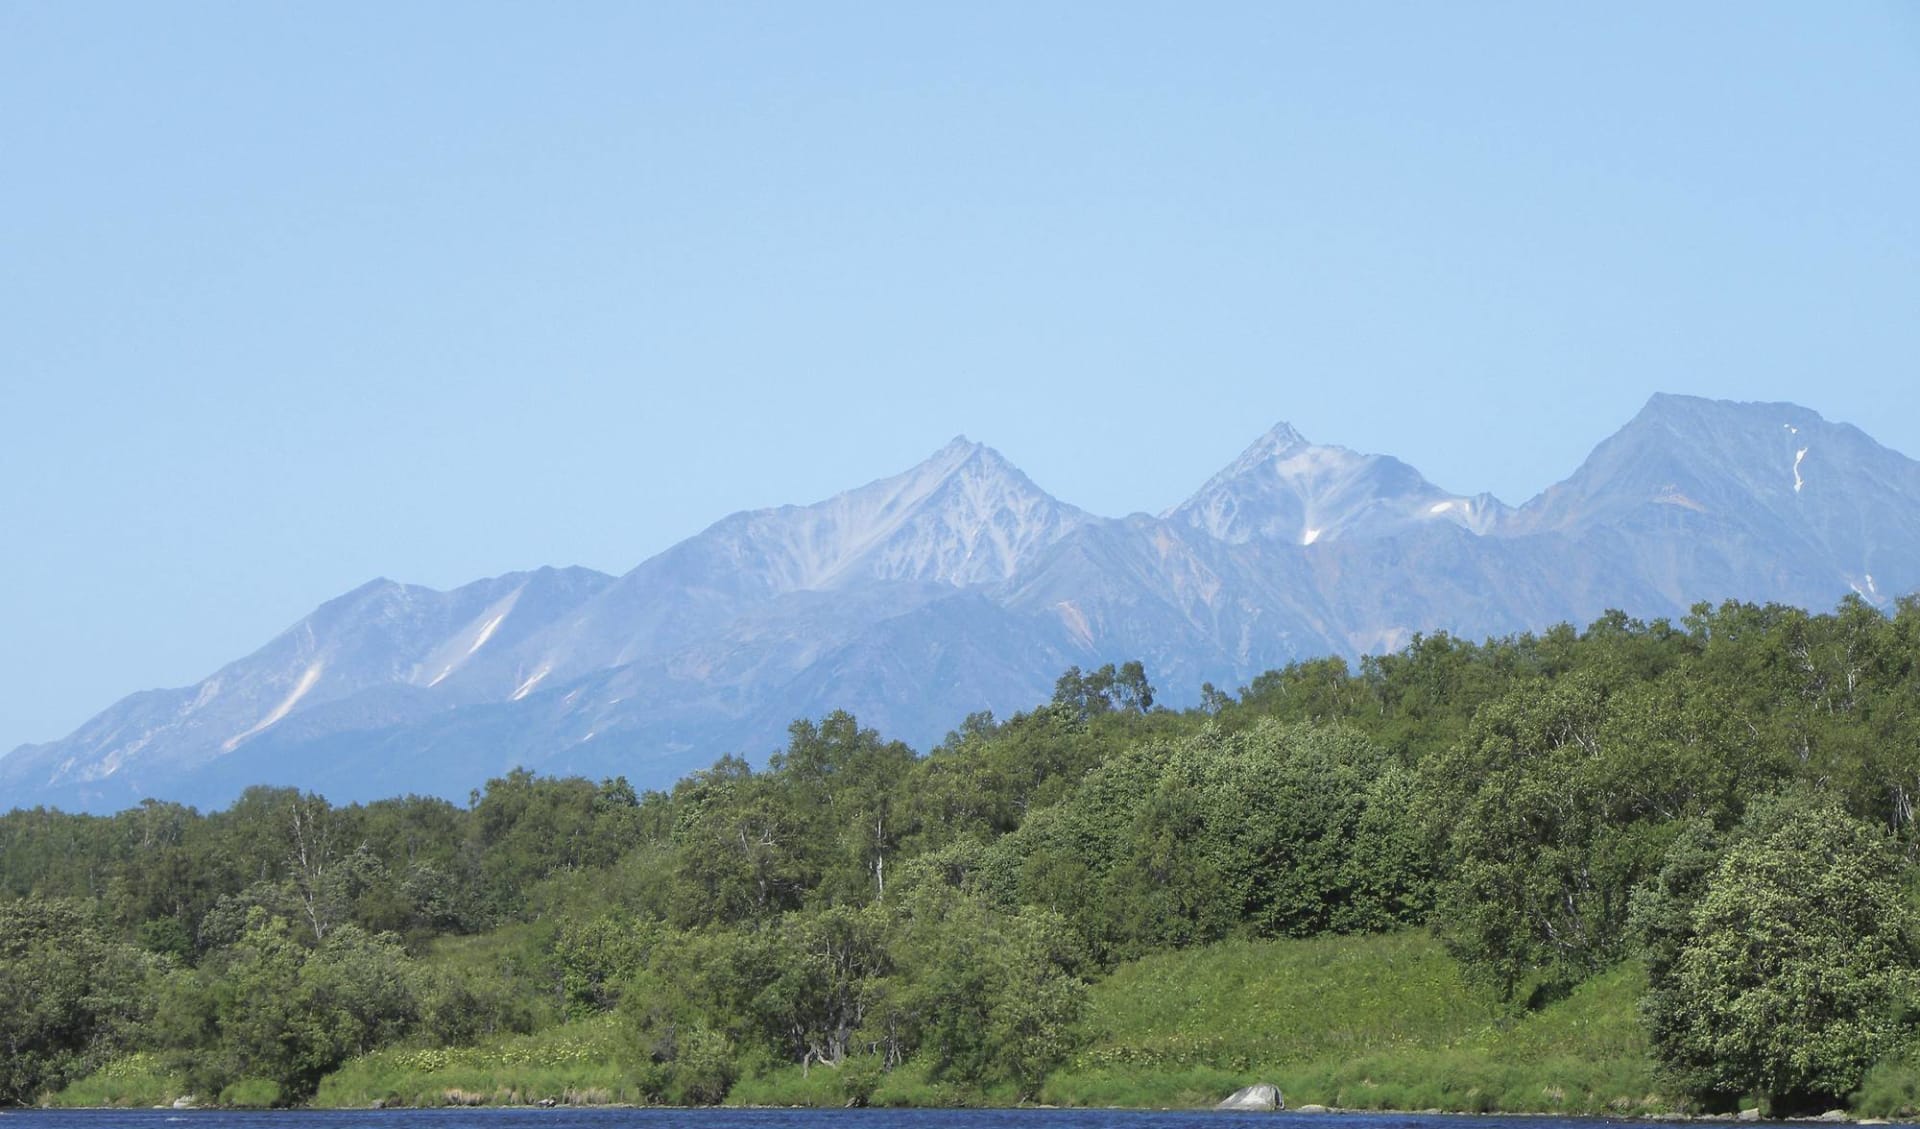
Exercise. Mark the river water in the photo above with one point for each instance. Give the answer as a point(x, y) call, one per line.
point(757, 1119)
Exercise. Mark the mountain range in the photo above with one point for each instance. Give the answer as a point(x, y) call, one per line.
point(960, 585)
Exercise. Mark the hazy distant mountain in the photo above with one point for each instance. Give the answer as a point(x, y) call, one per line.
point(1752, 501)
point(960, 585)
point(1287, 489)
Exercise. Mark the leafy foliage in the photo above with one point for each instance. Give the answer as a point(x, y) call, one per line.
point(1556, 807)
point(1799, 965)
point(1272, 831)
point(70, 997)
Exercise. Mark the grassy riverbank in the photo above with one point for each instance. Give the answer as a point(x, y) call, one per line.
point(1383, 1022)
point(582, 1063)
point(137, 1081)
point(1366, 1023)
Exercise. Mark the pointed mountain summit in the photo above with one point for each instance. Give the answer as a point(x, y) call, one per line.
point(1284, 488)
point(964, 516)
point(1746, 500)
point(959, 585)
point(1691, 454)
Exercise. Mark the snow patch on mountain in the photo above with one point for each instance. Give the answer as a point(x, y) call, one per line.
point(307, 680)
point(1286, 488)
point(526, 687)
point(486, 633)
point(960, 584)
point(453, 653)
point(1075, 622)
point(209, 690)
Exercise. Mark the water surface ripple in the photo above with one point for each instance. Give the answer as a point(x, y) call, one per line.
point(758, 1119)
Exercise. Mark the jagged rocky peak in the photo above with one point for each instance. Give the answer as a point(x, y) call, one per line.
point(709, 646)
point(963, 516)
point(979, 521)
point(1279, 439)
point(1285, 488)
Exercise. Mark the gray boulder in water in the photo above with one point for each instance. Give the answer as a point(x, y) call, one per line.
point(1262, 1095)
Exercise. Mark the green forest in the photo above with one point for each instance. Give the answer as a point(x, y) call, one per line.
point(1640, 867)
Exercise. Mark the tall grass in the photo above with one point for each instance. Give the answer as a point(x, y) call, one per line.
point(1892, 1088)
point(818, 1088)
point(1355, 1022)
point(1382, 1022)
point(584, 1063)
point(135, 1081)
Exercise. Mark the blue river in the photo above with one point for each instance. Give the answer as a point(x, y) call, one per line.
point(758, 1119)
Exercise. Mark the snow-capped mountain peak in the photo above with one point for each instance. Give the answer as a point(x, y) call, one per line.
point(958, 584)
point(1284, 488)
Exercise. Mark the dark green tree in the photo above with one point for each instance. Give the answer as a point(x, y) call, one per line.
point(70, 996)
point(1798, 968)
point(984, 996)
point(271, 1008)
point(1561, 800)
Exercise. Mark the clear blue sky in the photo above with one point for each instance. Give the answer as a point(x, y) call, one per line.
point(292, 296)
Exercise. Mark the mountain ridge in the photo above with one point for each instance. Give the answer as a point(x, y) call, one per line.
point(959, 583)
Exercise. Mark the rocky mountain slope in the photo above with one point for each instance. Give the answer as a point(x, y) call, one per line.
point(960, 584)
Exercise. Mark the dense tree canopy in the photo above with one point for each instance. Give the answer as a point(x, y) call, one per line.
point(1730, 799)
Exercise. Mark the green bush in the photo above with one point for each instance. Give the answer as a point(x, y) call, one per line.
point(1892, 1088)
point(258, 1093)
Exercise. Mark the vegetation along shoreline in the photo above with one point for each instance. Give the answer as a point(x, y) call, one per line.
point(1641, 869)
